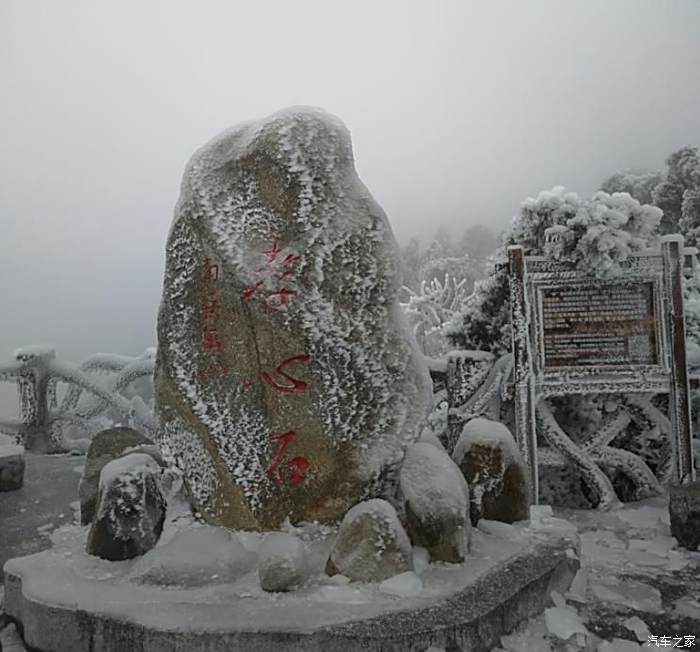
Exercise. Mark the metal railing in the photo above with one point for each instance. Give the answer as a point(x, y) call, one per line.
point(37, 373)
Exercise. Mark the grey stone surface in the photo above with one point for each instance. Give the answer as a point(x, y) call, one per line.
point(104, 447)
point(684, 510)
point(283, 563)
point(11, 467)
point(130, 509)
point(371, 545)
point(471, 620)
point(437, 502)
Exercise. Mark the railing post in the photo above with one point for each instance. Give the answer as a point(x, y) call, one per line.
point(32, 384)
point(679, 403)
point(523, 382)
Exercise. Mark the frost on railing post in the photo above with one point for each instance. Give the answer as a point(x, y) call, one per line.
point(33, 398)
point(524, 397)
point(673, 258)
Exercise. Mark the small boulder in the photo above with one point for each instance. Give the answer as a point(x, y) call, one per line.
point(130, 509)
point(684, 510)
point(437, 502)
point(282, 564)
point(11, 467)
point(200, 556)
point(371, 545)
point(106, 446)
point(494, 469)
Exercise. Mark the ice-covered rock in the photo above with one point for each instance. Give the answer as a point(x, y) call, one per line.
point(404, 585)
point(11, 467)
point(130, 508)
point(684, 511)
point(106, 446)
point(287, 383)
point(371, 545)
point(491, 462)
point(283, 563)
point(437, 502)
point(564, 622)
point(200, 556)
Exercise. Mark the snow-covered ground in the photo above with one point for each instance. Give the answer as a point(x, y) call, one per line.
point(634, 583)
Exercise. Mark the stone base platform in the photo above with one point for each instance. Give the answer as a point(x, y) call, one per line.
point(65, 601)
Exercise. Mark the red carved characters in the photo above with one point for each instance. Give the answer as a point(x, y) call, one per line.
point(293, 385)
point(278, 268)
point(297, 466)
point(210, 340)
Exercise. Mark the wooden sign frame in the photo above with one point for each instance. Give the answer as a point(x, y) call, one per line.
point(531, 277)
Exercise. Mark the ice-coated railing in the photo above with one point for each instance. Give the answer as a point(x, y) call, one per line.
point(43, 420)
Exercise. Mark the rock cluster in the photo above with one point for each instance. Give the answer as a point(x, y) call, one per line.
point(493, 467)
point(436, 499)
point(106, 446)
point(130, 508)
point(372, 545)
point(282, 564)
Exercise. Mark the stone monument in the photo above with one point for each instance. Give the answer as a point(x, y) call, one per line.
point(287, 385)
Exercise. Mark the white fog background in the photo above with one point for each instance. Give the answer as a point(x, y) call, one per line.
point(458, 111)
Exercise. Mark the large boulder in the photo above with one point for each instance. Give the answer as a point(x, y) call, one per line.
point(371, 545)
point(494, 469)
point(106, 446)
point(282, 564)
point(287, 384)
point(130, 509)
point(684, 511)
point(437, 502)
point(11, 467)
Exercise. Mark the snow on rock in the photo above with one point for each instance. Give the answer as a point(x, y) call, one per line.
point(403, 585)
point(11, 467)
point(200, 556)
point(497, 528)
point(638, 627)
point(492, 465)
point(564, 622)
point(283, 563)
point(628, 593)
point(287, 382)
point(371, 545)
point(130, 508)
point(105, 447)
point(437, 500)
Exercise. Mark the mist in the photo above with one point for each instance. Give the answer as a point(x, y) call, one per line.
point(458, 111)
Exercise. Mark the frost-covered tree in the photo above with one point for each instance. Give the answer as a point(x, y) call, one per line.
point(681, 183)
point(638, 185)
point(595, 235)
point(431, 308)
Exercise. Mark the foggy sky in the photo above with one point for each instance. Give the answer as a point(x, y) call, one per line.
point(458, 111)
